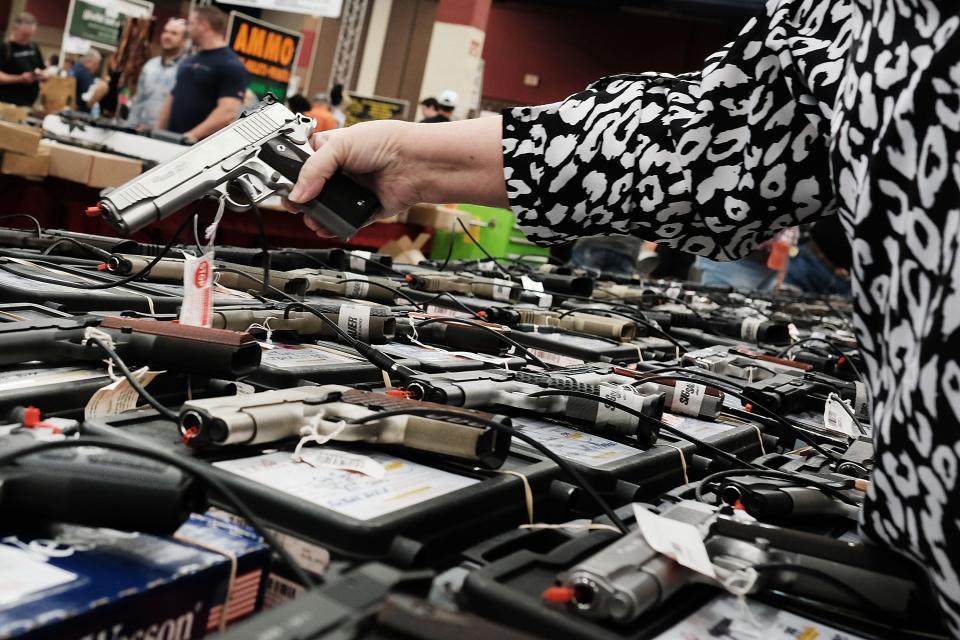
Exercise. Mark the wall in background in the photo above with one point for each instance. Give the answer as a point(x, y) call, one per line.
point(569, 48)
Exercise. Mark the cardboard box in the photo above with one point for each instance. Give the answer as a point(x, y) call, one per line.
point(109, 170)
point(403, 250)
point(57, 94)
point(91, 168)
point(69, 162)
point(112, 584)
point(13, 113)
point(19, 138)
point(17, 164)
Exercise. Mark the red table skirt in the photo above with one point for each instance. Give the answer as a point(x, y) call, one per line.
point(59, 204)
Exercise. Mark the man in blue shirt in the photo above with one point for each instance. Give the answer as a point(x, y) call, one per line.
point(210, 83)
point(85, 71)
point(158, 75)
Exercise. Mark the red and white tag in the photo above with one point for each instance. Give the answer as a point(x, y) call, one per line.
point(197, 308)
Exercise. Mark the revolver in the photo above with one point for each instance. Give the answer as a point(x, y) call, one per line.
point(257, 156)
point(270, 416)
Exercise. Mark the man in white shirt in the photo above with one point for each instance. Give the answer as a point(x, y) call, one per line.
point(159, 75)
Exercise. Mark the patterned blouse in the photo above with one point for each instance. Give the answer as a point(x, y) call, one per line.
point(819, 107)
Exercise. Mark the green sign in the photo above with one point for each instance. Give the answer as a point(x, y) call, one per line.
point(100, 22)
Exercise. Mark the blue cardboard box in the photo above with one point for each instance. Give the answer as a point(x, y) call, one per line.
point(67, 582)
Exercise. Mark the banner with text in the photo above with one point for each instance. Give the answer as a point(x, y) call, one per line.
point(98, 23)
point(266, 50)
point(364, 108)
point(319, 8)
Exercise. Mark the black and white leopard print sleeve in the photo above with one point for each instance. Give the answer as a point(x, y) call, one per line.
point(819, 106)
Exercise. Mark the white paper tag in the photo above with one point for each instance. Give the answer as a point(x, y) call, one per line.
point(355, 320)
point(357, 289)
point(502, 289)
point(118, 397)
point(680, 541)
point(544, 300)
point(197, 307)
point(344, 461)
point(835, 418)
point(530, 284)
point(687, 398)
point(357, 262)
point(674, 292)
point(244, 389)
point(23, 574)
point(750, 326)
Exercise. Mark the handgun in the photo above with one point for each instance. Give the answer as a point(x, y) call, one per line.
point(257, 156)
point(270, 416)
point(751, 329)
point(629, 577)
point(581, 322)
point(787, 393)
point(477, 286)
point(497, 388)
point(159, 345)
point(349, 285)
point(743, 364)
point(374, 325)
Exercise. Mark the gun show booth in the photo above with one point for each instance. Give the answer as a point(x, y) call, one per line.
point(226, 415)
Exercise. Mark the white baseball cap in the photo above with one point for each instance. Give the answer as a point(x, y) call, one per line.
point(448, 99)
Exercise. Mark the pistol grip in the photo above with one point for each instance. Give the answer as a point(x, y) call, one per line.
point(342, 206)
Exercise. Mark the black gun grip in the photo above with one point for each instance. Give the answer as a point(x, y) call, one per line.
point(342, 207)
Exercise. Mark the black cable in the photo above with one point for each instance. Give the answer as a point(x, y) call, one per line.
point(97, 252)
point(188, 465)
point(125, 279)
point(501, 428)
point(25, 215)
point(304, 254)
point(264, 244)
point(500, 336)
point(447, 294)
point(830, 343)
point(646, 323)
point(824, 577)
point(449, 253)
point(480, 246)
point(726, 455)
point(770, 412)
point(134, 383)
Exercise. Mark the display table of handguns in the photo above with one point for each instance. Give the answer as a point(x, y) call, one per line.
point(346, 447)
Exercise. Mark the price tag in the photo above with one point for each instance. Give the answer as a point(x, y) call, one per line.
point(118, 397)
point(357, 262)
point(197, 307)
point(344, 461)
point(837, 419)
point(677, 540)
point(530, 284)
point(687, 398)
point(355, 320)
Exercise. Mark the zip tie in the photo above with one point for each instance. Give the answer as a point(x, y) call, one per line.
point(110, 371)
point(386, 380)
point(683, 460)
point(740, 584)
point(210, 234)
point(527, 491)
point(92, 332)
point(231, 581)
point(763, 449)
point(309, 433)
point(265, 327)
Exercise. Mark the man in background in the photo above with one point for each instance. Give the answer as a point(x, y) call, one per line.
point(21, 63)
point(336, 105)
point(429, 108)
point(211, 83)
point(446, 103)
point(158, 75)
point(86, 71)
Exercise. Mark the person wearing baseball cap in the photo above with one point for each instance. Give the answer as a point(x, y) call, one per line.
point(446, 103)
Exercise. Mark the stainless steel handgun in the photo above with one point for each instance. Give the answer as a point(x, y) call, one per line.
point(257, 156)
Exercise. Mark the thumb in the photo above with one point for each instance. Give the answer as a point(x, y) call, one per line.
point(315, 172)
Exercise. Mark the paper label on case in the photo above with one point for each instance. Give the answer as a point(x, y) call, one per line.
point(678, 540)
point(610, 415)
point(502, 289)
point(577, 446)
point(331, 459)
point(23, 574)
point(197, 307)
point(354, 319)
point(687, 398)
point(357, 289)
point(357, 262)
point(531, 285)
point(118, 396)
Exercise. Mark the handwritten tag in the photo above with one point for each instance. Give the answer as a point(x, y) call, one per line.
point(118, 397)
point(677, 540)
point(344, 461)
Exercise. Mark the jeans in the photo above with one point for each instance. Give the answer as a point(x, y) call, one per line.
point(604, 260)
point(740, 274)
point(807, 272)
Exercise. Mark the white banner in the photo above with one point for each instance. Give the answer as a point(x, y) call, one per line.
point(321, 8)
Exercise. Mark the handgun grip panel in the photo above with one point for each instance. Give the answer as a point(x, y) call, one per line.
point(341, 207)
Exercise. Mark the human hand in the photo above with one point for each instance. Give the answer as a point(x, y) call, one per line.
point(27, 77)
point(374, 154)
